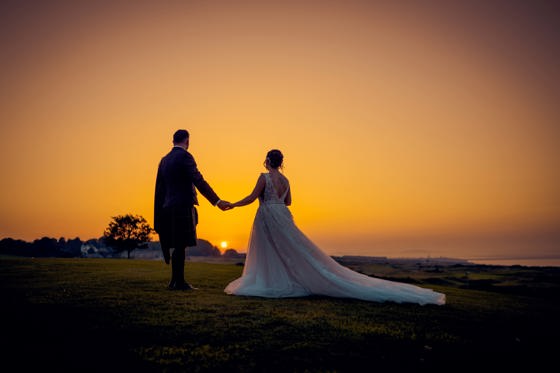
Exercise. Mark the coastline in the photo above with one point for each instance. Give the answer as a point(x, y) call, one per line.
point(443, 261)
point(492, 261)
point(528, 262)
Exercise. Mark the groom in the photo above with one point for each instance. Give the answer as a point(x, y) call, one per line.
point(175, 217)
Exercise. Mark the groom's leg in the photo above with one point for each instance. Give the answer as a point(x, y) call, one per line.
point(178, 266)
point(184, 235)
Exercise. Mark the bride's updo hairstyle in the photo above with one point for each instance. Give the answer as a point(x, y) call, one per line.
point(275, 158)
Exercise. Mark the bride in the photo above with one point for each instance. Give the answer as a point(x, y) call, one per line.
point(282, 262)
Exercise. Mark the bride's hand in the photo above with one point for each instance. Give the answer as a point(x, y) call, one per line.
point(225, 205)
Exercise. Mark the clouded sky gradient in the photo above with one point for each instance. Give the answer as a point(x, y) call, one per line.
point(408, 128)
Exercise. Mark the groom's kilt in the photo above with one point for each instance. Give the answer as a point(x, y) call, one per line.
point(178, 227)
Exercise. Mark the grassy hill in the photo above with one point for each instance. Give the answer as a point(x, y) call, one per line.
point(116, 314)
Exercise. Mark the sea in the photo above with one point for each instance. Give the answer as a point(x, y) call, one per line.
point(549, 259)
point(532, 262)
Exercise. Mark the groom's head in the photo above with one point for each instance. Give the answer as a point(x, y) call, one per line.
point(181, 137)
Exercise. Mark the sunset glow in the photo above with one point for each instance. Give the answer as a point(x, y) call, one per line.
point(407, 129)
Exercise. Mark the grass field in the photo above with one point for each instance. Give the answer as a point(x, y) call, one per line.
point(116, 315)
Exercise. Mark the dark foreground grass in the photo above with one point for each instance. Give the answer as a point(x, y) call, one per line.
point(116, 315)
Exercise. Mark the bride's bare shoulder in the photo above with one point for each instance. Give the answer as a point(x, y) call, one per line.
point(284, 179)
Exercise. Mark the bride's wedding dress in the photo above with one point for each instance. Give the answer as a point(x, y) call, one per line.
point(282, 262)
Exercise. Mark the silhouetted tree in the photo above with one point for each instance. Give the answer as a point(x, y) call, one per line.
point(72, 247)
point(11, 246)
point(45, 247)
point(127, 232)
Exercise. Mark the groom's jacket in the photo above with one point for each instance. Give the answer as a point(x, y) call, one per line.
point(176, 180)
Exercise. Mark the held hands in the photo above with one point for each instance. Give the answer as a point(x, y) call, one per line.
point(225, 205)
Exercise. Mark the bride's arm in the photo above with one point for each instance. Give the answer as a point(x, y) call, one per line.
point(288, 199)
point(254, 195)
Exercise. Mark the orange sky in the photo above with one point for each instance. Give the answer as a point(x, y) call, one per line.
point(406, 128)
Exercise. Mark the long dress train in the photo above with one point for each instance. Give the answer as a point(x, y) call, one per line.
point(282, 262)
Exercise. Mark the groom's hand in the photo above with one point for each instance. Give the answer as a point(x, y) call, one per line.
point(224, 205)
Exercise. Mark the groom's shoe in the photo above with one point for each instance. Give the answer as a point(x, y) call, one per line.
point(184, 286)
point(171, 285)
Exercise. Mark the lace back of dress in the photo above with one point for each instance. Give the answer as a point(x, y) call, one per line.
point(269, 194)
